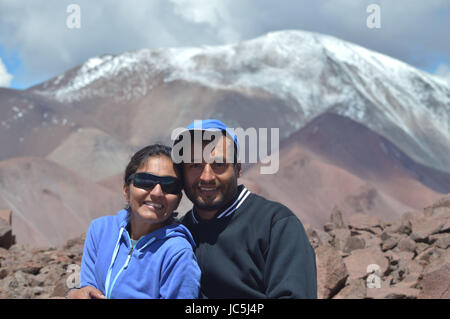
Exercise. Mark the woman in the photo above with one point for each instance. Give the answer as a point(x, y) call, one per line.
point(141, 252)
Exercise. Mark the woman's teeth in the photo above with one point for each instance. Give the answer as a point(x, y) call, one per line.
point(153, 205)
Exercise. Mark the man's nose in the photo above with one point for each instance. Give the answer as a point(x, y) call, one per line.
point(207, 176)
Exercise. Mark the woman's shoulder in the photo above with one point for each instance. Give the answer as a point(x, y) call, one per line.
point(110, 221)
point(177, 237)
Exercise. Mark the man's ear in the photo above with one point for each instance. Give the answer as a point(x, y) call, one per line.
point(238, 170)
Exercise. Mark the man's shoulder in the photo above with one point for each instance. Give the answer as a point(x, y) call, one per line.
point(186, 218)
point(257, 202)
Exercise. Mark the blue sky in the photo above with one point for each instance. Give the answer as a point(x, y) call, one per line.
point(36, 44)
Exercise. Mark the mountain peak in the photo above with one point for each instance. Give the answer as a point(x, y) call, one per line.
point(314, 73)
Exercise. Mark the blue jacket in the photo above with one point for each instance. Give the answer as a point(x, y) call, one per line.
point(161, 265)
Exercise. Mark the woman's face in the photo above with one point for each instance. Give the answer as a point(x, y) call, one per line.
point(153, 206)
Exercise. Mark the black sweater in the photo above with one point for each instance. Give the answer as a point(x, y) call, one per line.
point(256, 248)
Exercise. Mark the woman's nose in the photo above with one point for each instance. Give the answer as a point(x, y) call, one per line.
point(157, 191)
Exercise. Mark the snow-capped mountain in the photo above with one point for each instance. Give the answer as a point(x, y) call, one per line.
point(358, 129)
point(311, 73)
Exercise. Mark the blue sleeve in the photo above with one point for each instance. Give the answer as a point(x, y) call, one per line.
point(88, 260)
point(181, 277)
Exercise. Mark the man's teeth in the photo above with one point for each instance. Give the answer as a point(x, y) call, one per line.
point(207, 188)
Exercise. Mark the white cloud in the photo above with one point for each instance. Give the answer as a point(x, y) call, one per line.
point(5, 77)
point(214, 13)
point(410, 29)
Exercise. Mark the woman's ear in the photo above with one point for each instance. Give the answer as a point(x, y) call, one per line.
point(126, 193)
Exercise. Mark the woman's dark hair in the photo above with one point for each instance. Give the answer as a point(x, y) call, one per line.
point(141, 157)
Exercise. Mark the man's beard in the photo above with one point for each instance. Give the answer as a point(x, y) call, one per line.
point(209, 207)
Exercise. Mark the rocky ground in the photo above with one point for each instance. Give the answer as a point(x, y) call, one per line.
point(366, 257)
point(363, 257)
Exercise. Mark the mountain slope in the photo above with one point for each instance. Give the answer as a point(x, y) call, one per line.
point(50, 203)
point(92, 153)
point(359, 150)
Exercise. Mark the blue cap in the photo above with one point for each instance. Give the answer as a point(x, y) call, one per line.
point(213, 125)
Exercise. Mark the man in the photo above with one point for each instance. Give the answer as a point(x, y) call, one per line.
point(246, 245)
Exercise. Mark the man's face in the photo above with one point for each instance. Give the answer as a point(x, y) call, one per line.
point(211, 185)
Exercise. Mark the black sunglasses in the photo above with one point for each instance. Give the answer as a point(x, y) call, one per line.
point(169, 184)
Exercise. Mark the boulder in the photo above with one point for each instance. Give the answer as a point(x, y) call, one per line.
point(443, 242)
point(339, 238)
point(437, 263)
point(360, 260)
point(406, 244)
point(369, 238)
point(422, 228)
point(331, 272)
point(353, 243)
point(389, 243)
point(393, 293)
point(436, 284)
point(366, 222)
point(428, 255)
point(354, 289)
point(441, 208)
point(400, 226)
point(6, 215)
point(6, 237)
point(336, 218)
point(317, 237)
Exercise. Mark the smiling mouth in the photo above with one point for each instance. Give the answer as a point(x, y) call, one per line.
point(207, 191)
point(153, 205)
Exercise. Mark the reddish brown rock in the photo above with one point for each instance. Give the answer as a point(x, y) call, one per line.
point(443, 242)
point(354, 289)
point(389, 243)
point(441, 208)
point(31, 268)
point(428, 255)
point(370, 239)
point(393, 293)
point(353, 243)
point(424, 227)
point(366, 222)
point(6, 235)
point(336, 218)
point(6, 215)
point(359, 260)
point(331, 272)
point(406, 244)
point(436, 284)
point(400, 226)
point(340, 238)
point(317, 237)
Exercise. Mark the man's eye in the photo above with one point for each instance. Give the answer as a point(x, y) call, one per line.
point(218, 165)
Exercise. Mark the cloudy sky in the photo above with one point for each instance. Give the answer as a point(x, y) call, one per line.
point(37, 44)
